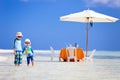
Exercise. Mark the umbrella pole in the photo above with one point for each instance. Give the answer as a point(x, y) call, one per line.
point(87, 36)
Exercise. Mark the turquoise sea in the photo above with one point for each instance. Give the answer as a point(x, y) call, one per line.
point(111, 55)
point(97, 55)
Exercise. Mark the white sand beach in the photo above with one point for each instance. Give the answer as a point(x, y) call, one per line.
point(105, 66)
point(3, 58)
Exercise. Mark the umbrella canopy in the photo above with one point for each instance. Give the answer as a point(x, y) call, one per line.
point(88, 16)
point(92, 15)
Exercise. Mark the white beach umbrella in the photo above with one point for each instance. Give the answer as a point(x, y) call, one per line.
point(88, 16)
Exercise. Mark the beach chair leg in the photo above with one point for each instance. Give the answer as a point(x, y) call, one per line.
point(75, 59)
point(51, 58)
point(68, 60)
point(59, 59)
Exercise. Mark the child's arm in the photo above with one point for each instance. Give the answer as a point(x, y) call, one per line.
point(14, 47)
point(33, 52)
point(14, 51)
point(23, 50)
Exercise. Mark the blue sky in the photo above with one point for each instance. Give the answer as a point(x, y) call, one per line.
point(39, 21)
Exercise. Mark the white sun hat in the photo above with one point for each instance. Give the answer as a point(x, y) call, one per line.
point(27, 40)
point(19, 34)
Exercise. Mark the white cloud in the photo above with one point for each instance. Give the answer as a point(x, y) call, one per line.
point(24, 0)
point(111, 3)
point(100, 1)
point(38, 0)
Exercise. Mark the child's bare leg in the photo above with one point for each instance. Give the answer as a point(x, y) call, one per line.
point(16, 65)
point(27, 64)
point(32, 63)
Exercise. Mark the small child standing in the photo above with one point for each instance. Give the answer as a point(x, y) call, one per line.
point(29, 52)
point(18, 49)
